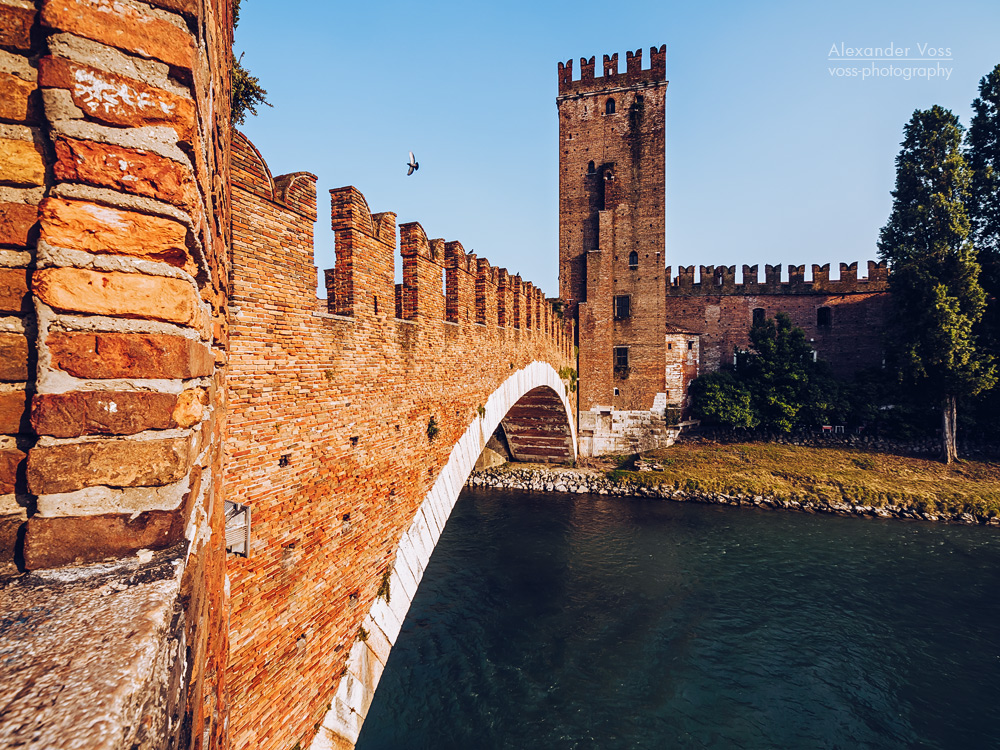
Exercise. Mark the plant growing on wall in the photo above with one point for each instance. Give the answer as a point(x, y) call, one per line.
point(432, 428)
point(568, 374)
point(247, 93)
point(934, 270)
point(385, 588)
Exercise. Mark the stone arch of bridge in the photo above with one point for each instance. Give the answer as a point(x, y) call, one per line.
point(535, 410)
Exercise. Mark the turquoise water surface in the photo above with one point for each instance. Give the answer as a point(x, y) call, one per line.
point(550, 621)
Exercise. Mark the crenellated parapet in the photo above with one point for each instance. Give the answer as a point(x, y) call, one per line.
point(341, 418)
point(441, 280)
point(634, 76)
point(721, 280)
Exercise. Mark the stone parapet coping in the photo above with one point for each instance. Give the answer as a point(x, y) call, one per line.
point(93, 656)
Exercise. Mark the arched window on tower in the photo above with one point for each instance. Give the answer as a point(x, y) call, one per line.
point(633, 259)
point(609, 107)
point(824, 317)
point(591, 168)
point(758, 316)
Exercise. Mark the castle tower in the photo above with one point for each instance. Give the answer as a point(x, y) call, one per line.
point(612, 227)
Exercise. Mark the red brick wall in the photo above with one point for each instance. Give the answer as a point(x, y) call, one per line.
point(611, 203)
point(721, 311)
point(114, 217)
point(329, 405)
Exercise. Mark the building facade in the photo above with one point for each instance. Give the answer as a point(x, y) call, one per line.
point(643, 335)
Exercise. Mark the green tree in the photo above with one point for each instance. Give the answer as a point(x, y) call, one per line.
point(786, 382)
point(721, 398)
point(247, 93)
point(777, 383)
point(934, 275)
point(983, 154)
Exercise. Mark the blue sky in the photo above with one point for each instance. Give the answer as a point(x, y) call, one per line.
point(771, 158)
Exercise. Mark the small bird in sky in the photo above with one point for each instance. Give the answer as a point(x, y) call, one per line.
point(413, 165)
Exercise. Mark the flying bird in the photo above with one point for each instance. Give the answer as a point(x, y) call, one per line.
point(413, 165)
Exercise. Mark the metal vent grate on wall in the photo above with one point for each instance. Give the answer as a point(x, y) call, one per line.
point(238, 529)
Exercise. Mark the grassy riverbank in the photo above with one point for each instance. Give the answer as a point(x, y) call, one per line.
point(822, 476)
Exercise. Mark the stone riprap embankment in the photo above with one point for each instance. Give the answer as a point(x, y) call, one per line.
point(584, 481)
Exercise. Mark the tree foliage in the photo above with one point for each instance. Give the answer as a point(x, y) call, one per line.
point(722, 398)
point(247, 93)
point(934, 273)
point(983, 154)
point(776, 384)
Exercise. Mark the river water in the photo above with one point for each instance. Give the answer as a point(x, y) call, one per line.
point(548, 621)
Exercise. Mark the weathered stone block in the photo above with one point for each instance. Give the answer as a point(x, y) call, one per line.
point(123, 26)
point(117, 294)
point(117, 100)
point(21, 163)
point(10, 463)
point(129, 355)
point(13, 357)
point(187, 7)
point(102, 413)
point(16, 221)
point(125, 169)
point(13, 288)
point(113, 463)
point(14, 93)
point(80, 225)
point(190, 406)
point(54, 542)
point(13, 405)
point(15, 26)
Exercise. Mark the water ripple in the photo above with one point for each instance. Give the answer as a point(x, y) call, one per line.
point(582, 622)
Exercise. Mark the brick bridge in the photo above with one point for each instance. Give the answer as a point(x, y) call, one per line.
point(333, 409)
point(166, 361)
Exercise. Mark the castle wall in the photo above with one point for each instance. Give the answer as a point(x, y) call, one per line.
point(114, 216)
point(611, 192)
point(330, 441)
point(721, 311)
point(683, 364)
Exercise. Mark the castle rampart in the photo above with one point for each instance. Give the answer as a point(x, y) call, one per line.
point(634, 76)
point(842, 318)
point(721, 280)
point(343, 414)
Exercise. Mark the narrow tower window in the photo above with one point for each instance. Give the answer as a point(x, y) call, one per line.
point(633, 259)
point(623, 306)
point(824, 317)
point(609, 107)
point(621, 358)
point(758, 316)
point(590, 168)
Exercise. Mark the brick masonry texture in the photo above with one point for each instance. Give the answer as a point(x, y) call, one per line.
point(721, 311)
point(611, 247)
point(329, 415)
point(611, 204)
point(163, 351)
point(114, 237)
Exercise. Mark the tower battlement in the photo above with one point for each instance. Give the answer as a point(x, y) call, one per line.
point(634, 75)
point(721, 280)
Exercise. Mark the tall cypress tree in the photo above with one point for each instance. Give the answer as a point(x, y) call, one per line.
point(934, 273)
point(983, 154)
